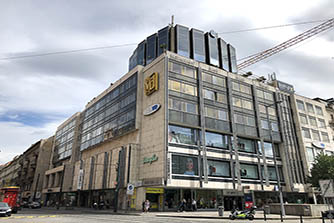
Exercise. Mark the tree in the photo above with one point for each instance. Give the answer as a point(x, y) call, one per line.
point(322, 169)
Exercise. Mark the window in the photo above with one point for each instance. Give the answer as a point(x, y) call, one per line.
point(182, 40)
point(232, 59)
point(245, 120)
point(271, 173)
point(319, 110)
point(246, 145)
point(187, 165)
point(306, 133)
point(177, 134)
point(216, 140)
point(310, 108)
point(264, 95)
point(198, 45)
point(264, 124)
point(300, 105)
point(241, 103)
point(315, 135)
point(249, 171)
point(209, 94)
point(218, 169)
point(241, 88)
point(151, 51)
point(215, 113)
point(274, 127)
point(313, 121)
point(163, 40)
point(212, 45)
point(322, 123)
point(329, 153)
point(183, 70)
point(310, 154)
point(220, 81)
point(303, 118)
point(224, 54)
point(324, 136)
point(268, 149)
point(182, 106)
point(182, 88)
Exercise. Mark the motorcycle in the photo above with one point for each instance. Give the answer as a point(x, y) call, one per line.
point(245, 214)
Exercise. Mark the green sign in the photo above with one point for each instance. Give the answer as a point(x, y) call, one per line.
point(150, 159)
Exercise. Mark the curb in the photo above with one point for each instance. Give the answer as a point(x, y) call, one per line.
point(217, 217)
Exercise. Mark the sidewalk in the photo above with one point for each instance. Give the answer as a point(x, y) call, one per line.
point(214, 215)
point(187, 214)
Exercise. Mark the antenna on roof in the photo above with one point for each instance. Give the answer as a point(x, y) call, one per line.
point(172, 20)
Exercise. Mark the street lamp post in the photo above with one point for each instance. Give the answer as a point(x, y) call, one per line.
point(276, 168)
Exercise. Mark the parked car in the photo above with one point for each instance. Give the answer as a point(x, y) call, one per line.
point(35, 204)
point(328, 214)
point(5, 210)
point(25, 204)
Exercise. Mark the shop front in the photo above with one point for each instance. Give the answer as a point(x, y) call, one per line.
point(205, 199)
point(155, 196)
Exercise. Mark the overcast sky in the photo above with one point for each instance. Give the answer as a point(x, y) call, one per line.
point(39, 93)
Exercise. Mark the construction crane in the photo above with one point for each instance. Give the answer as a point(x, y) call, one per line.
point(291, 42)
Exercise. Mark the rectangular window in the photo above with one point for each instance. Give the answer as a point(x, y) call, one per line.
point(182, 88)
point(183, 70)
point(215, 113)
point(303, 118)
point(218, 169)
point(182, 106)
point(246, 145)
point(264, 124)
point(324, 136)
point(232, 57)
point(274, 127)
point(310, 108)
point(306, 133)
point(310, 154)
point(268, 149)
point(187, 165)
point(212, 49)
point(271, 173)
point(223, 54)
point(182, 40)
point(241, 88)
point(151, 49)
point(245, 120)
point(300, 105)
point(177, 134)
point(163, 40)
point(322, 123)
point(209, 94)
point(216, 140)
point(249, 171)
point(319, 110)
point(221, 98)
point(313, 121)
point(197, 49)
point(315, 135)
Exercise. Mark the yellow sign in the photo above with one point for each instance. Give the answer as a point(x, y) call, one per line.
point(151, 190)
point(151, 83)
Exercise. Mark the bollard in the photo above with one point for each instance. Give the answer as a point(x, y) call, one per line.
point(301, 218)
point(264, 215)
point(322, 217)
point(280, 213)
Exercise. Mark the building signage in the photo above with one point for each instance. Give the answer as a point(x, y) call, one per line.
point(130, 189)
point(80, 179)
point(151, 109)
point(151, 190)
point(151, 83)
point(234, 193)
point(318, 145)
point(151, 159)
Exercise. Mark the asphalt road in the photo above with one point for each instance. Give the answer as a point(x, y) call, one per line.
point(59, 216)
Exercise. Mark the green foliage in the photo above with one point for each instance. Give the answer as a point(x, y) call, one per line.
point(323, 169)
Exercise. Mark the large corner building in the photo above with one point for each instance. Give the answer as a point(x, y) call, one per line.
point(182, 123)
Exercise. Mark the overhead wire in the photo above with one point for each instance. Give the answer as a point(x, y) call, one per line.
point(132, 44)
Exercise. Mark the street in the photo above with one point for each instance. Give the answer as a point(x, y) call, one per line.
point(89, 215)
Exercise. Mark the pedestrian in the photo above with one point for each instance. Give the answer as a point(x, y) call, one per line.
point(194, 205)
point(147, 206)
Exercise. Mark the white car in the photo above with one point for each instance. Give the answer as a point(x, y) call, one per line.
point(5, 209)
